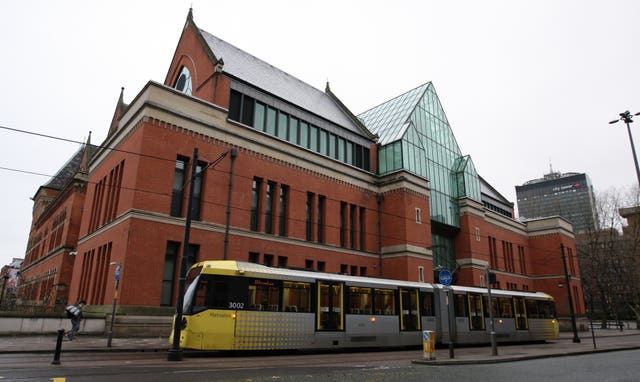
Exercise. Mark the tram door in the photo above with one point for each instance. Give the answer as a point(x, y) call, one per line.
point(410, 318)
point(476, 312)
point(330, 306)
point(520, 312)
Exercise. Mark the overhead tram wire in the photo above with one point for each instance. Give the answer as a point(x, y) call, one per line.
point(82, 143)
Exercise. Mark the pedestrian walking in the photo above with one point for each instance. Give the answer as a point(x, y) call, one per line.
point(74, 312)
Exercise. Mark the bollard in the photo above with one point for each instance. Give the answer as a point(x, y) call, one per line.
point(428, 345)
point(56, 355)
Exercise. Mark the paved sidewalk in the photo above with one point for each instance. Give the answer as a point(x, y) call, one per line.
point(606, 340)
point(84, 343)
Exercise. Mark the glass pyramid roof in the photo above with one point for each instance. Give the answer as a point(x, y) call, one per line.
point(391, 119)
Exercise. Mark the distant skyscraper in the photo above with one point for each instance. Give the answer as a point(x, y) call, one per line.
point(568, 195)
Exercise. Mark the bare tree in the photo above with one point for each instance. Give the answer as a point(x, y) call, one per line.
point(608, 257)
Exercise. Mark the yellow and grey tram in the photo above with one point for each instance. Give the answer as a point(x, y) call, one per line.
point(233, 305)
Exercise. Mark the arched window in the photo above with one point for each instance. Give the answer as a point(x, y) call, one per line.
point(183, 83)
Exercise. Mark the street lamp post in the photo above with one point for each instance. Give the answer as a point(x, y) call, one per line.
point(574, 326)
point(115, 302)
point(494, 344)
point(175, 353)
point(627, 118)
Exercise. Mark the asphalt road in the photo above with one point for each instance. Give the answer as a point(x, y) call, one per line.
point(328, 367)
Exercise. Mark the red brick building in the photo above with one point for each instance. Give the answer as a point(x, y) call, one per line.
point(288, 176)
point(47, 270)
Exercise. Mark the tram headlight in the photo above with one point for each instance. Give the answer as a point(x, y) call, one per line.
point(233, 316)
point(500, 321)
point(373, 320)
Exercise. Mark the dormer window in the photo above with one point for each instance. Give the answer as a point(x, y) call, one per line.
point(183, 83)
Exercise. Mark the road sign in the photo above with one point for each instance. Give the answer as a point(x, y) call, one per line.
point(118, 273)
point(445, 277)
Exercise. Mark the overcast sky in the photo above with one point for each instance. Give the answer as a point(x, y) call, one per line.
point(524, 84)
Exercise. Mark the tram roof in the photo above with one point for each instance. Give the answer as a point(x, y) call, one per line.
point(234, 267)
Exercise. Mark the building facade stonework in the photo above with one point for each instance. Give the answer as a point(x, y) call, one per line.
point(287, 176)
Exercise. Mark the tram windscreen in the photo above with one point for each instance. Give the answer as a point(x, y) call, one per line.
point(191, 282)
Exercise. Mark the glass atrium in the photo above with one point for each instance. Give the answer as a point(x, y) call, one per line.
point(415, 136)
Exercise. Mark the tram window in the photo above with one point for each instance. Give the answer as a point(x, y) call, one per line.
point(200, 296)
point(264, 295)
point(192, 275)
point(384, 302)
point(506, 307)
point(532, 309)
point(359, 300)
point(460, 305)
point(427, 304)
point(296, 297)
point(494, 306)
point(547, 309)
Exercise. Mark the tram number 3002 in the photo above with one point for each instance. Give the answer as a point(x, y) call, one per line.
point(236, 305)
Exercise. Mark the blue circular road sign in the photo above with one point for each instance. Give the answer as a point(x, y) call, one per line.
point(445, 277)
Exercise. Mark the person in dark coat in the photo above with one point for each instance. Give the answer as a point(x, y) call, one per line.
point(74, 312)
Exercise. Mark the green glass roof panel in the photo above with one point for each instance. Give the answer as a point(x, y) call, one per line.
point(390, 120)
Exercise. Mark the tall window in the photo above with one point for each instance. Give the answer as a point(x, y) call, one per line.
point(362, 229)
point(168, 274)
point(352, 226)
point(282, 218)
point(309, 216)
point(493, 256)
point(321, 210)
point(255, 203)
point(192, 256)
point(572, 268)
point(177, 196)
point(268, 208)
point(343, 224)
point(523, 265)
point(172, 263)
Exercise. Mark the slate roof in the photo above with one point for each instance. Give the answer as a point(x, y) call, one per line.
point(262, 75)
point(69, 170)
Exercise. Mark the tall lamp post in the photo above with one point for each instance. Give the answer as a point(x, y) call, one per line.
point(115, 302)
point(175, 353)
point(576, 339)
point(627, 118)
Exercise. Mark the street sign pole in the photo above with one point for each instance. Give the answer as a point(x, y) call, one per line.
point(494, 345)
point(445, 279)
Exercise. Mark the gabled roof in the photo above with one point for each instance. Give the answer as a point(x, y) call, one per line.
point(67, 172)
point(70, 169)
point(390, 120)
point(247, 68)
